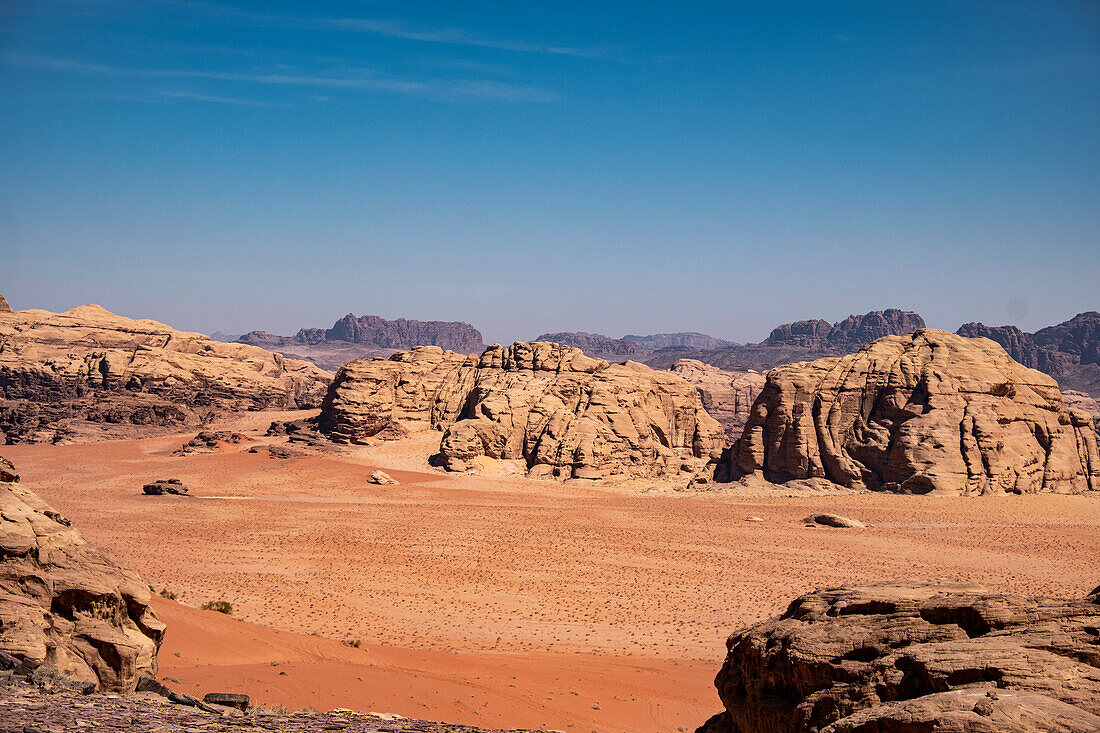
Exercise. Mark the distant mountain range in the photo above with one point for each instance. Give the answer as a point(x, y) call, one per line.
point(596, 344)
point(1069, 351)
point(354, 337)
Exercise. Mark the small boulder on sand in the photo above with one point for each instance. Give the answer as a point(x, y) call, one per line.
point(165, 486)
point(382, 478)
point(833, 520)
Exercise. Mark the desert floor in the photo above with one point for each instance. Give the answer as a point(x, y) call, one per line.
point(499, 601)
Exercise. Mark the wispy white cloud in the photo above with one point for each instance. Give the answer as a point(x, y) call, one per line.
point(400, 29)
point(350, 78)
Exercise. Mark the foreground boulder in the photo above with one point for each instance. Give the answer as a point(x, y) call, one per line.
point(67, 605)
point(926, 412)
point(912, 656)
point(87, 364)
point(549, 406)
point(161, 487)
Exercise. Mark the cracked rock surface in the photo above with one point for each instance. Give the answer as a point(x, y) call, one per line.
point(915, 655)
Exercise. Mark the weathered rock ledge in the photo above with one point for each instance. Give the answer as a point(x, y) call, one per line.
point(913, 656)
point(26, 708)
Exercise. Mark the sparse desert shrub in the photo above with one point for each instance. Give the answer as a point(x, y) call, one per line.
point(353, 642)
point(219, 606)
point(168, 594)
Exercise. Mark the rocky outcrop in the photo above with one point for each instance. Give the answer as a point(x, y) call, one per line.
point(799, 341)
point(927, 412)
point(727, 396)
point(1069, 352)
point(161, 487)
point(912, 656)
point(549, 407)
point(593, 344)
point(66, 604)
point(4, 307)
point(679, 340)
point(87, 364)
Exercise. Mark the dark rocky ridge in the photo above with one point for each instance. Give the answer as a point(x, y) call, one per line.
point(1069, 351)
point(799, 341)
point(598, 345)
point(354, 337)
point(593, 344)
point(913, 656)
point(679, 340)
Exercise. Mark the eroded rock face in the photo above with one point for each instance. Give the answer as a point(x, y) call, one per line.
point(918, 655)
point(727, 396)
point(544, 404)
point(67, 604)
point(927, 412)
point(4, 307)
point(89, 364)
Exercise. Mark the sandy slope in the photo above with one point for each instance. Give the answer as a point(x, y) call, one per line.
point(458, 584)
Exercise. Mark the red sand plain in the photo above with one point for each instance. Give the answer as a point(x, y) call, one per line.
point(499, 601)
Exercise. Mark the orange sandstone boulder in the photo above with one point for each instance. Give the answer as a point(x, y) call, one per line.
point(66, 604)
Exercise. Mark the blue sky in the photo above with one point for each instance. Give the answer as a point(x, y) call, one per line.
point(620, 167)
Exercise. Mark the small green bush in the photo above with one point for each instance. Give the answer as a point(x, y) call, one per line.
point(168, 594)
point(219, 606)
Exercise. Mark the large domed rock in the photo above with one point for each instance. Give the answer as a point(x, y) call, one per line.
point(547, 405)
point(65, 603)
point(89, 364)
point(912, 656)
point(925, 412)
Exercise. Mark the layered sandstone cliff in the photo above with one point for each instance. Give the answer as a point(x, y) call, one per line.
point(89, 364)
point(548, 406)
point(927, 412)
point(727, 396)
point(65, 603)
point(914, 656)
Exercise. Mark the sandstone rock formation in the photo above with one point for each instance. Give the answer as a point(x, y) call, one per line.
point(1069, 352)
point(911, 656)
point(4, 307)
point(931, 411)
point(89, 364)
point(66, 604)
point(549, 406)
point(1083, 402)
point(800, 341)
point(727, 396)
point(354, 337)
point(593, 344)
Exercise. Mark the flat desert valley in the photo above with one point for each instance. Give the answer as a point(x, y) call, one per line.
point(499, 601)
